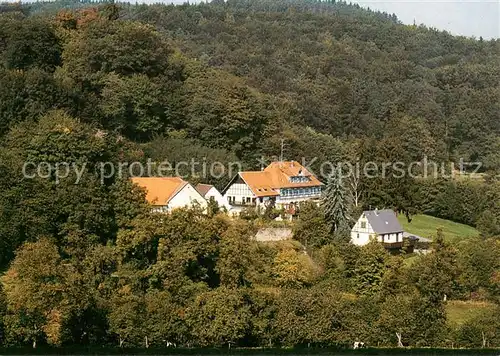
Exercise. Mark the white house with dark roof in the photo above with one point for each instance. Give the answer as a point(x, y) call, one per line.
point(382, 225)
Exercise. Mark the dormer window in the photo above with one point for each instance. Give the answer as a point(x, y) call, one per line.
point(299, 179)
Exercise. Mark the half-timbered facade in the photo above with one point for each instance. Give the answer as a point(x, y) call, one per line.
point(282, 184)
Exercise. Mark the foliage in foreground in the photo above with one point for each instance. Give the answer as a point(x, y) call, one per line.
point(88, 264)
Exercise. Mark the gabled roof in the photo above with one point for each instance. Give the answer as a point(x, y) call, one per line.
point(277, 176)
point(383, 221)
point(259, 182)
point(281, 172)
point(203, 189)
point(160, 190)
point(289, 168)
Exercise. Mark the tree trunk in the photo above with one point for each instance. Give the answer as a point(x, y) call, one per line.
point(398, 335)
point(121, 341)
point(354, 180)
point(35, 328)
point(484, 339)
point(147, 343)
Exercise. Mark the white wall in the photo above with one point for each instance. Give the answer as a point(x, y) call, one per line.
point(213, 192)
point(239, 191)
point(186, 197)
point(391, 238)
point(359, 235)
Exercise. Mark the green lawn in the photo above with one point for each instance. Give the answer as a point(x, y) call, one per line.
point(459, 312)
point(426, 226)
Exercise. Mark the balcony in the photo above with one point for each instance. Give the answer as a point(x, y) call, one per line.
point(300, 196)
point(410, 245)
point(391, 245)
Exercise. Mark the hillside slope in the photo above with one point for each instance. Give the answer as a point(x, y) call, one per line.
point(347, 71)
point(426, 226)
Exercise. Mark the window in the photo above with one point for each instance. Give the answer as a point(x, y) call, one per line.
point(357, 236)
point(248, 200)
point(299, 179)
point(363, 224)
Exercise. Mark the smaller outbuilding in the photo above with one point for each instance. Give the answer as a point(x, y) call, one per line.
point(208, 192)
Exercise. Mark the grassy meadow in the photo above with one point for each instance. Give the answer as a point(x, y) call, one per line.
point(426, 226)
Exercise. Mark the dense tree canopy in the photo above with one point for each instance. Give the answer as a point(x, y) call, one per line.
point(86, 262)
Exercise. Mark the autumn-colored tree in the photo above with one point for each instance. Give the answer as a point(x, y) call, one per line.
point(311, 228)
point(35, 292)
point(235, 256)
point(293, 269)
point(220, 318)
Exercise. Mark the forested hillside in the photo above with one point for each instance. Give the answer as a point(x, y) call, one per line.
point(348, 72)
point(89, 264)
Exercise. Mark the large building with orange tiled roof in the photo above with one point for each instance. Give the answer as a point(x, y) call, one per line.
point(283, 184)
point(167, 193)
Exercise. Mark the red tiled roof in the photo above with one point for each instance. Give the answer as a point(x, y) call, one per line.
point(159, 190)
point(277, 176)
point(203, 188)
point(260, 183)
